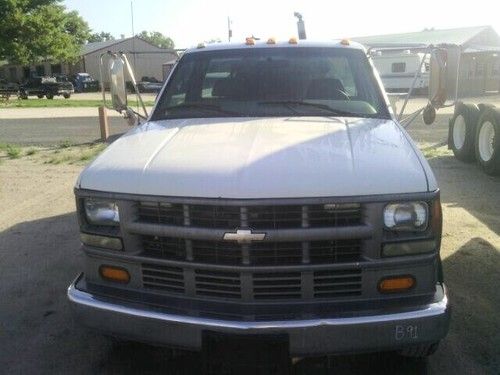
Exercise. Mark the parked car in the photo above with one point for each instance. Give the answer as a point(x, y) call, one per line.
point(271, 194)
point(46, 86)
point(8, 89)
point(146, 85)
point(83, 82)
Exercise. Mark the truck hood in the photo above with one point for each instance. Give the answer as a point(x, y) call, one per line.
point(261, 158)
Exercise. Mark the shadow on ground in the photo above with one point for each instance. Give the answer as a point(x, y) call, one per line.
point(465, 185)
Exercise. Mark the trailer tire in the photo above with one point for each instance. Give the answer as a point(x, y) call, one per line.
point(39, 96)
point(487, 145)
point(66, 96)
point(49, 96)
point(462, 131)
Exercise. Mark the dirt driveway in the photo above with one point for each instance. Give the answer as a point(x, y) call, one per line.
point(39, 257)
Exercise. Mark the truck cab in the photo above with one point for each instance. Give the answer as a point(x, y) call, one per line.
point(271, 191)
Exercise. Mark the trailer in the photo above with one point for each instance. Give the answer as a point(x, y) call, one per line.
point(397, 70)
point(474, 128)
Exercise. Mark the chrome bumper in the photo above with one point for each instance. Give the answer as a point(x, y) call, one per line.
point(426, 324)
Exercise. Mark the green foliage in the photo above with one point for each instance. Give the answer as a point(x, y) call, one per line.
point(13, 152)
point(100, 37)
point(34, 30)
point(156, 38)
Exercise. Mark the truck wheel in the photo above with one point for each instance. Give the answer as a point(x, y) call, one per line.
point(462, 131)
point(487, 145)
point(50, 96)
point(40, 96)
point(419, 351)
point(23, 96)
point(66, 96)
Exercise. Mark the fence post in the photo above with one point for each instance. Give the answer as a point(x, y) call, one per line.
point(103, 123)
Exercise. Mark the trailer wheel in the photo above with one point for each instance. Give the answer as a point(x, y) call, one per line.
point(66, 96)
point(40, 96)
point(462, 131)
point(50, 96)
point(487, 145)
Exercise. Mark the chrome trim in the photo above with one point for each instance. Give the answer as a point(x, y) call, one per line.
point(243, 236)
point(83, 298)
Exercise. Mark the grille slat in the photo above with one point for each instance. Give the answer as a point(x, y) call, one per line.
point(330, 284)
point(260, 254)
point(163, 278)
point(263, 285)
point(258, 217)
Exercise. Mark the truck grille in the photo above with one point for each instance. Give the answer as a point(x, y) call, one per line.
point(310, 251)
point(259, 254)
point(255, 217)
point(253, 286)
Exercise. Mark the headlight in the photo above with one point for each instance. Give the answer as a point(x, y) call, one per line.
point(101, 212)
point(406, 216)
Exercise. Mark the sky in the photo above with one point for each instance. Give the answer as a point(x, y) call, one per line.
point(189, 22)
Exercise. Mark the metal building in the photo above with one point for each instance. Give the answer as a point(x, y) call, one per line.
point(146, 59)
point(480, 60)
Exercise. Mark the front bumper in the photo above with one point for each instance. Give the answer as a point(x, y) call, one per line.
point(141, 322)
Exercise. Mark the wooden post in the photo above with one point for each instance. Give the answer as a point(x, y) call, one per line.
point(103, 123)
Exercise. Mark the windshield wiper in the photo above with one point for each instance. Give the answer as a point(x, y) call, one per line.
point(294, 103)
point(202, 106)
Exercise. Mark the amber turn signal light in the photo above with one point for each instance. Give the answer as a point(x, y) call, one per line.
point(396, 284)
point(116, 274)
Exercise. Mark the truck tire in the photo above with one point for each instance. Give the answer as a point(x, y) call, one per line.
point(66, 96)
point(40, 96)
point(487, 145)
point(462, 131)
point(419, 351)
point(49, 96)
point(23, 96)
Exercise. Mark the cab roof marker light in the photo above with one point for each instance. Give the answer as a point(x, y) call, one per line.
point(345, 42)
point(250, 41)
point(271, 40)
point(293, 40)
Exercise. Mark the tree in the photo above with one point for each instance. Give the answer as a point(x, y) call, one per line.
point(156, 38)
point(34, 30)
point(100, 37)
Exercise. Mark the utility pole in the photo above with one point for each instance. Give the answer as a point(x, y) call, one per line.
point(229, 30)
point(300, 26)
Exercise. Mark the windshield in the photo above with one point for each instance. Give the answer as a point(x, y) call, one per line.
point(263, 82)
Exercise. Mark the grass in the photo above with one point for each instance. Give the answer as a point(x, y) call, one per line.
point(61, 103)
point(64, 153)
point(435, 151)
point(79, 155)
point(12, 151)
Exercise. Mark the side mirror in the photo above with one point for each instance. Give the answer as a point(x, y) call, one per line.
point(437, 78)
point(117, 83)
point(443, 77)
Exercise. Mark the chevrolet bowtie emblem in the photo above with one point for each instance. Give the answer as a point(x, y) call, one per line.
point(243, 236)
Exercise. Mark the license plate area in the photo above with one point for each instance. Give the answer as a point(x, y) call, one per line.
point(245, 354)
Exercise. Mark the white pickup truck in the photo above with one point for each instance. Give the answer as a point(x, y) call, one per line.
point(271, 191)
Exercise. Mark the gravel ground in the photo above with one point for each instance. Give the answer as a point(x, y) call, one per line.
point(39, 257)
